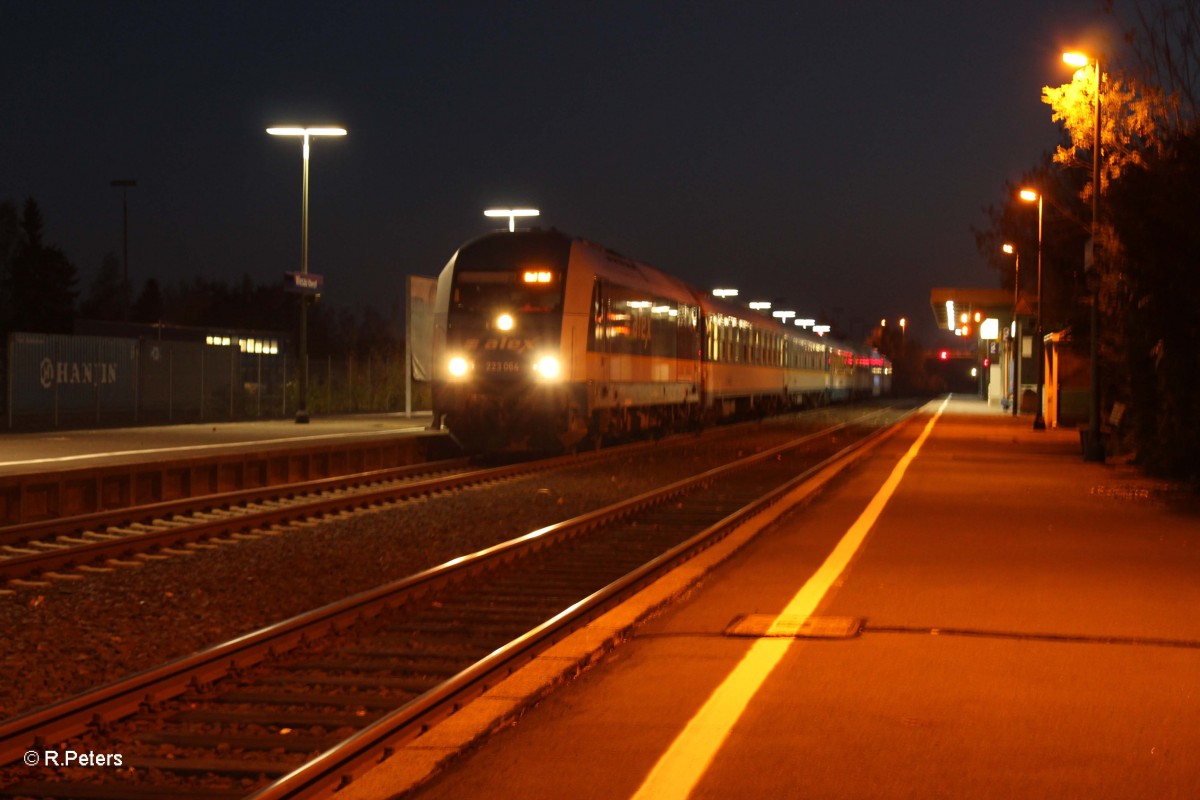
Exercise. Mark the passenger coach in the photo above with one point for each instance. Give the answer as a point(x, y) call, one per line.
point(542, 340)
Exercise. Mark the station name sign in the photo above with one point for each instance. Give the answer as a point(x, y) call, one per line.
point(303, 282)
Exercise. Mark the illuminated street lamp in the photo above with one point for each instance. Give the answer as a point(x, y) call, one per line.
point(783, 316)
point(1016, 375)
point(512, 214)
point(1039, 422)
point(1093, 448)
point(724, 293)
point(302, 402)
point(760, 305)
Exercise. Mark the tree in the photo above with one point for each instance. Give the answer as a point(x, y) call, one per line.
point(40, 281)
point(1164, 38)
point(1129, 114)
point(1156, 208)
point(10, 238)
point(103, 301)
point(148, 307)
point(1145, 287)
point(1064, 231)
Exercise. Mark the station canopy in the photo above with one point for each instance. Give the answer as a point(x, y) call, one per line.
point(949, 304)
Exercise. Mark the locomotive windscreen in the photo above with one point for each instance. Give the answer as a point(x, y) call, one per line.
point(515, 272)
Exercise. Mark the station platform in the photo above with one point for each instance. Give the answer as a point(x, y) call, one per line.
point(970, 611)
point(48, 451)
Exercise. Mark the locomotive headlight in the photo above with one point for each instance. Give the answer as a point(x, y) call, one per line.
point(458, 366)
point(504, 322)
point(547, 367)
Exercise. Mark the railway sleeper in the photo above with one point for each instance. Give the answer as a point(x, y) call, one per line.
point(290, 742)
point(479, 612)
point(117, 791)
point(215, 766)
point(532, 598)
point(287, 718)
point(418, 665)
point(470, 629)
point(390, 667)
point(411, 686)
point(372, 701)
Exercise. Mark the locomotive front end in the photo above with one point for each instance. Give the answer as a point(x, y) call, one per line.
point(499, 365)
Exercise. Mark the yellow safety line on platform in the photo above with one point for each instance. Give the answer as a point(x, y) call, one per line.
point(685, 762)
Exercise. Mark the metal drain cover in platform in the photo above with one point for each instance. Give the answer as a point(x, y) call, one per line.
point(782, 626)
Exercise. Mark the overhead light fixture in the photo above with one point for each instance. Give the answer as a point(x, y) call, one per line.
point(512, 214)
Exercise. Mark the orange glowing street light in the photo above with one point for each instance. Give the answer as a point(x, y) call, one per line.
point(1093, 446)
point(1016, 329)
point(1012, 251)
point(1039, 422)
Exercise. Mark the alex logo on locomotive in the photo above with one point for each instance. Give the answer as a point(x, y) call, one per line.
point(508, 344)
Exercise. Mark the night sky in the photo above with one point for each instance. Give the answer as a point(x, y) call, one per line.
point(830, 156)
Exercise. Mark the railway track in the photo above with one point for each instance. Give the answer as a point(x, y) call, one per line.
point(297, 709)
point(32, 553)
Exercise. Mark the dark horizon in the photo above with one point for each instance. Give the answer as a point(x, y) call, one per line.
point(836, 160)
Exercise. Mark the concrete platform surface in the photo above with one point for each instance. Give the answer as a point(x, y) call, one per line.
point(1020, 624)
point(22, 453)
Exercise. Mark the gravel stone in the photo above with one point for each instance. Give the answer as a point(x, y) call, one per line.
point(74, 635)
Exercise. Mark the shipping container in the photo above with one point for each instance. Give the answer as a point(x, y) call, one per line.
point(78, 380)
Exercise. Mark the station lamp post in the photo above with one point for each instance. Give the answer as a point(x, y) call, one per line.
point(512, 214)
point(1016, 330)
point(1093, 449)
point(1039, 422)
point(302, 401)
point(723, 293)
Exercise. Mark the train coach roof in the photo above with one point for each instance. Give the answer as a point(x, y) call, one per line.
point(634, 274)
point(716, 305)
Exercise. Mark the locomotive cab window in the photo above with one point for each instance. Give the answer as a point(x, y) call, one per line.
point(520, 274)
point(478, 292)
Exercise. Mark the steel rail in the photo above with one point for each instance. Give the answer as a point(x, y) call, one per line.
point(336, 767)
point(172, 473)
point(57, 556)
point(145, 514)
point(32, 564)
point(124, 697)
point(119, 699)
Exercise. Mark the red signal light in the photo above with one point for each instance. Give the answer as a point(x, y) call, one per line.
point(945, 355)
point(987, 362)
